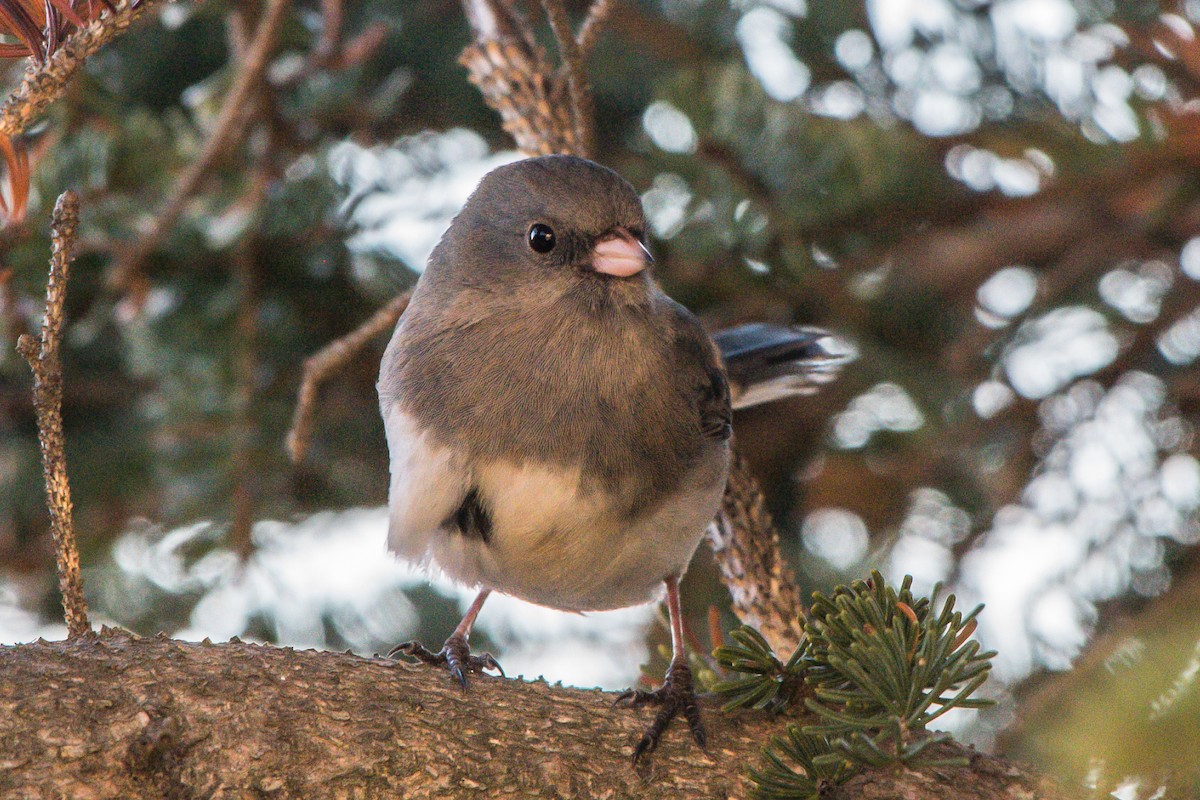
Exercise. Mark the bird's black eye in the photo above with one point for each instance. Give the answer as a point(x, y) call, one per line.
point(541, 238)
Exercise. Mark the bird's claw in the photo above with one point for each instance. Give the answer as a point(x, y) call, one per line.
point(455, 655)
point(417, 651)
point(676, 695)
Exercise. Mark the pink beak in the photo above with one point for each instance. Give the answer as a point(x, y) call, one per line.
point(620, 255)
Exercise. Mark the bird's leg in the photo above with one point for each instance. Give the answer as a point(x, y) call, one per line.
point(677, 693)
point(455, 654)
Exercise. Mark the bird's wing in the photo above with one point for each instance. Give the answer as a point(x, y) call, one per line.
point(699, 356)
point(716, 413)
point(770, 362)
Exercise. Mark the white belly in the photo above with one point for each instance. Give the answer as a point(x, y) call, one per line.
point(552, 541)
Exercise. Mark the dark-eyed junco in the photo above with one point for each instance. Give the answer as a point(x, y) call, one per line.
point(558, 427)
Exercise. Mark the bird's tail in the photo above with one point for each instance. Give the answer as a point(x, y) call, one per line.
point(770, 362)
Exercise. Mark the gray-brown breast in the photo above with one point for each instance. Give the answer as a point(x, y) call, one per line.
point(632, 395)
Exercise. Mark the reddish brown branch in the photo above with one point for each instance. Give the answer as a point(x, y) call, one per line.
point(332, 15)
point(232, 124)
point(42, 354)
point(244, 271)
point(11, 322)
point(329, 359)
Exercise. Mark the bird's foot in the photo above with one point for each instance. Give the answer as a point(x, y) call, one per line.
point(676, 695)
point(455, 656)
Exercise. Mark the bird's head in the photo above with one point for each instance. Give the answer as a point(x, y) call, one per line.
point(552, 221)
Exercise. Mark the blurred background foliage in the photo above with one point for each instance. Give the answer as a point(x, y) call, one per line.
point(996, 202)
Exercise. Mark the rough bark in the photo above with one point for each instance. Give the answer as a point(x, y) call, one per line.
point(44, 360)
point(118, 716)
point(745, 543)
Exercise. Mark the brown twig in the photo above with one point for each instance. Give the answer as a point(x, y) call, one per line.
point(572, 62)
point(332, 51)
point(329, 359)
point(231, 126)
point(745, 542)
point(42, 354)
point(245, 360)
point(332, 15)
point(593, 24)
point(43, 84)
point(242, 450)
point(517, 80)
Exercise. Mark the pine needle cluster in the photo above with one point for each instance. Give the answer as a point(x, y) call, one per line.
point(877, 665)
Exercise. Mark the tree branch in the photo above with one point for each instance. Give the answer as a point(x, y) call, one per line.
point(232, 123)
point(43, 357)
point(329, 359)
point(245, 361)
point(517, 81)
point(745, 543)
point(118, 716)
point(44, 84)
point(572, 63)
